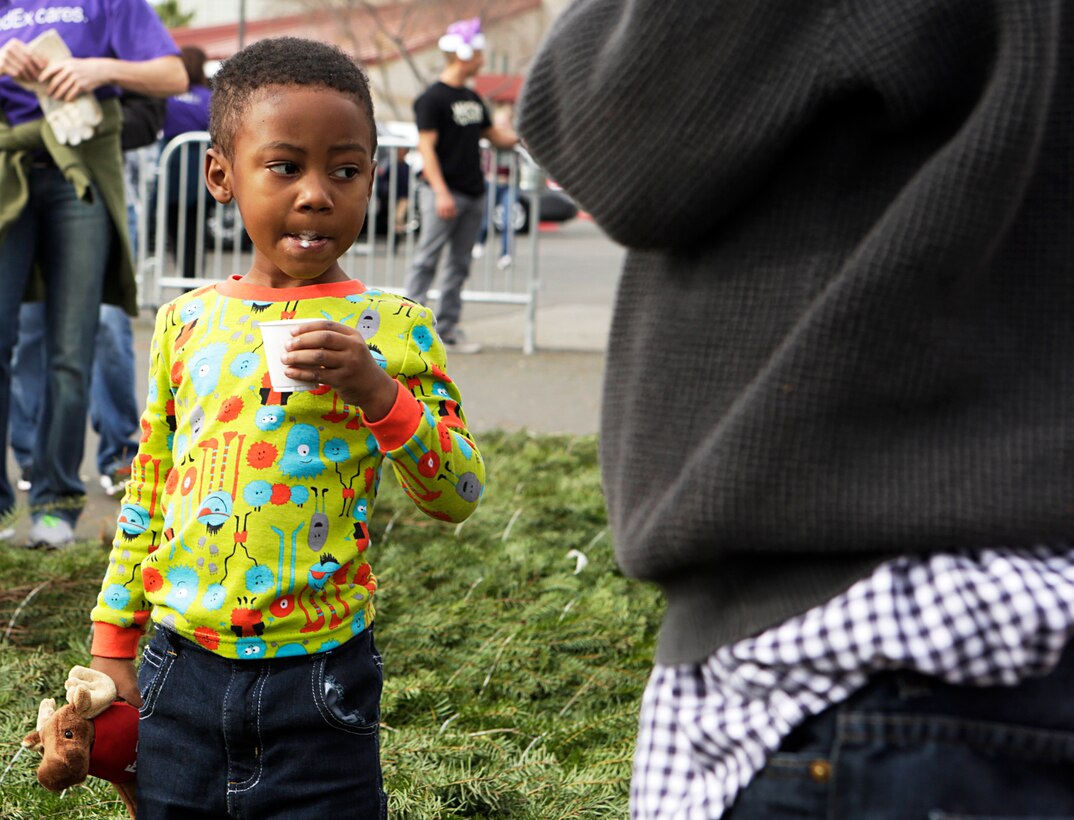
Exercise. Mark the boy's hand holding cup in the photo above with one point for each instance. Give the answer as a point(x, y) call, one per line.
point(303, 353)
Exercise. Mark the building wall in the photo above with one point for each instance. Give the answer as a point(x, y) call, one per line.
point(218, 12)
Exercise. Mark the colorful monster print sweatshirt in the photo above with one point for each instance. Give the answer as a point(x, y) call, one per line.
point(245, 524)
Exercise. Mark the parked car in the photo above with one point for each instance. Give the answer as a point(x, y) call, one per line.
point(222, 220)
point(556, 206)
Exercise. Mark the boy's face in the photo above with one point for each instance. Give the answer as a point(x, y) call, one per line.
point(301, 173)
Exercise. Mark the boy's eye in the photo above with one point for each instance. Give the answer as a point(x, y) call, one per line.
point(346, 172)
point(283, 168)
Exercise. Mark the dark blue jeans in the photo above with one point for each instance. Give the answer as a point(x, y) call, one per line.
point(70, 242)
point(908, 746)
point(277, 739)
point(113, 407)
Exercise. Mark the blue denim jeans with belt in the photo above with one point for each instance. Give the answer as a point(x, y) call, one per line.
point(70, 241)
point(909, 746)
point(278, 739)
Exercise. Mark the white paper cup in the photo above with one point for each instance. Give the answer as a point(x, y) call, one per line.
point(275, 335)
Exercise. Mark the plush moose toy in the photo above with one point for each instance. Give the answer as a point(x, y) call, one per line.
point(92, 734)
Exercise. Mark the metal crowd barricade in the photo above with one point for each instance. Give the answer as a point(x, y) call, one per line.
point(381, 256)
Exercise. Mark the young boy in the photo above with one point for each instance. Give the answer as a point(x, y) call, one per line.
point(243, 533)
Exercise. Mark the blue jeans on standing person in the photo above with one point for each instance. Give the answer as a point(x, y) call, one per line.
point(504, 198)
point(908, 745)
point(458, 234)
point(279, 739)
point(70, 241)
point(113, 409)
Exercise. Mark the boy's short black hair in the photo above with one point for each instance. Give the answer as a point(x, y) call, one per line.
point(281, 61)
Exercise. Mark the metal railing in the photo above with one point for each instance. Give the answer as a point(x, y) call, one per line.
point(382, 255)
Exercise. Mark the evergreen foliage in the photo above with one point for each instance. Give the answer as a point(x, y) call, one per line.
point(512, 682)
point(171, 15)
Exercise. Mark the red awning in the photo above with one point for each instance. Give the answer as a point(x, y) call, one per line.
point(498, 88)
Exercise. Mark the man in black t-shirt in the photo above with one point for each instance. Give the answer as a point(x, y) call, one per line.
point(451, 120)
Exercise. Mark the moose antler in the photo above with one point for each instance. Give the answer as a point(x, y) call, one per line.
point(33, 740)
point(89, 691)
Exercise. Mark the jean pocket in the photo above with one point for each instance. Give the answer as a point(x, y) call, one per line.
point(950, 767)
point(157, 660)
point(944, 815)
point(347, 684)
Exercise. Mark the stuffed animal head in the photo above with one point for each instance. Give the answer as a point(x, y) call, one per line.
point(65, 736)
point(65, 741)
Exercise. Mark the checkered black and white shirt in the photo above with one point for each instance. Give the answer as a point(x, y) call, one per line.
point(985, 617)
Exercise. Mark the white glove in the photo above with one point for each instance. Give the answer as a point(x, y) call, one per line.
point(72, 122)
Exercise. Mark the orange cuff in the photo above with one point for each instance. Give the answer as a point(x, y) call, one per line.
point(111, 641)
point(396, 428)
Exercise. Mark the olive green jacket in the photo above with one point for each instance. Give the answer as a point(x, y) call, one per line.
point(96, 162)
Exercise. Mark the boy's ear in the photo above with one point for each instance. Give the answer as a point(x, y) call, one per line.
point(372, 180)
point(218, 176)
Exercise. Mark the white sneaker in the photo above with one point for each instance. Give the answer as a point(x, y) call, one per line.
point(24, 481)
point(7, 533)
point(112, 487)
point(504, 262)
point(115, 481)
point(478, 251)
point(458, 344)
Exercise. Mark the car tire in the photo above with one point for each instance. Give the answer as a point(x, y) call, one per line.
point(520, 217)
point(221, 219)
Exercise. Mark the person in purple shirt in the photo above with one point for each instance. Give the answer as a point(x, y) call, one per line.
point(187, 112)
point(64, 232)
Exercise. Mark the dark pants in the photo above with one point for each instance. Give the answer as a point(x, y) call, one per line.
point(908, 746)
point(458, 235)
point(293, 737)
point(113, 407)
point(70, 241)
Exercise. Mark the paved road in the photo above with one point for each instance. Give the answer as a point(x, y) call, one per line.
point(557, 389)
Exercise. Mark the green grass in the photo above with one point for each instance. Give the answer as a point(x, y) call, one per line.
point(512, 684)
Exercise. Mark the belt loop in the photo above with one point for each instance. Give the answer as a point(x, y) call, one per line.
point(174, 642)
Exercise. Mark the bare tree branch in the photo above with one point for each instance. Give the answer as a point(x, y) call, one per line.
point(382, 29)
point(395, 38)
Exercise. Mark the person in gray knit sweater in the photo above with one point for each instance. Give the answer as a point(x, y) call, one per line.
point(839, 398)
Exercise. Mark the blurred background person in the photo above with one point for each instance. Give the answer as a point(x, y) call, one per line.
point(451, 120)
point(503, 199)
point(396, 220)
point(114, 411)
point(64, 218)
point(187, 112)
point(838, 416)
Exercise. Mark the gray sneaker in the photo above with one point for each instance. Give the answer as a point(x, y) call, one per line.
point(457, 343)
point(7, 533)
point(50, 532)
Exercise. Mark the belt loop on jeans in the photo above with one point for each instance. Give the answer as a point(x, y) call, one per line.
point(175, 643)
